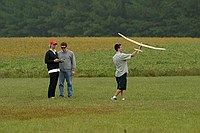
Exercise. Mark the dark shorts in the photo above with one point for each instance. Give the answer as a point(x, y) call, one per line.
point(121, 82)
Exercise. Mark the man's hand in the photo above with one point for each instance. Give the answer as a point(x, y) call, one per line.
point(56, 60)
point(73, 72)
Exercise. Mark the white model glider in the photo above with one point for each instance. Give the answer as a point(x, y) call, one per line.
point(143, 45)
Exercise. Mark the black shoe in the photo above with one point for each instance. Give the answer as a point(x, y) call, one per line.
point(61, 96)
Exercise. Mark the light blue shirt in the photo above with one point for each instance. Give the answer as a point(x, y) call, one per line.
point(121, 66)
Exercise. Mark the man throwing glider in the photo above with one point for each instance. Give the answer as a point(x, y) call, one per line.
point(121, 67)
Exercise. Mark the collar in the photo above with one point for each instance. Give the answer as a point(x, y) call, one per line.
point(53, 50)
point(64, 51)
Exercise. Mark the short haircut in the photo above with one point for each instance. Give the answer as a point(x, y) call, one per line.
point(117, 46)
point(63, 44)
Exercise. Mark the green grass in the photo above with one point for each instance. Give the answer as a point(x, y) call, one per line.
point(94, 57)
point(176, 61)
point(153, 104)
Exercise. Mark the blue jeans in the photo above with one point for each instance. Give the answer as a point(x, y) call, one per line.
point(68, 76)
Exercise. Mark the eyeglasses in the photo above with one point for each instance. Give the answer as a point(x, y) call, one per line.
point(55, 44)
point(63, 47)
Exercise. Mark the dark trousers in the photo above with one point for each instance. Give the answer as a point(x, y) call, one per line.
point(121, 82)
point(52, 84)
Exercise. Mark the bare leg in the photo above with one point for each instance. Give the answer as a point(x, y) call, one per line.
point(122, 93)
point(117, 92)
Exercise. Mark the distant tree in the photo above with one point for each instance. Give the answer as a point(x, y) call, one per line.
point(100, 18)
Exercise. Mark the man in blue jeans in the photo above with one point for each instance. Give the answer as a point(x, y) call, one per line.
point(67, 69)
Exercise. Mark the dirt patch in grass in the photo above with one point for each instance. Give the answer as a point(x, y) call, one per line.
point(27, 113)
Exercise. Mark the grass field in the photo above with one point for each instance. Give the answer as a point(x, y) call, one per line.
point(24, 57)
point(153, 105)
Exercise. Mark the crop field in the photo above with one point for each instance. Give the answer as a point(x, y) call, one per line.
point(152, 105)
point(24, 57)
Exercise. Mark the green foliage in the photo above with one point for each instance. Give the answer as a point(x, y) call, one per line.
point(167, 18)
point(177, 60)
point(22, 67)
point(158, 104)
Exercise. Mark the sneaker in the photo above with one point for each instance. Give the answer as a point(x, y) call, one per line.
point(113, 98)
point(52, 97)
point(123, 99)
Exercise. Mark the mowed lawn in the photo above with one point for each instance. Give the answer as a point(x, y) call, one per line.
point(153, 105)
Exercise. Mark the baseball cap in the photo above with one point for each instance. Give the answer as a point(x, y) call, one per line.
point(53, 42)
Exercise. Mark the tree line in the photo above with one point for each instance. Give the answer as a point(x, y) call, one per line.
point(144, 18)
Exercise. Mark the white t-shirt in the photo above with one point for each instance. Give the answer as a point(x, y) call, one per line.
point(119, 60)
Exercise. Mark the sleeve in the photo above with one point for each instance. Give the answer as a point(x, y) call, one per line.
point(47, 58)
point(125, 56)
point(73, 61)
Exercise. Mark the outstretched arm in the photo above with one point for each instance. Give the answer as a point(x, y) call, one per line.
point(136, 51)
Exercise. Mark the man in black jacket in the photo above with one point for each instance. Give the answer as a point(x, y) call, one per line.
point(52, 61)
